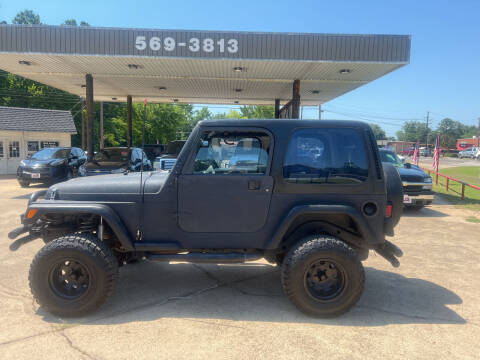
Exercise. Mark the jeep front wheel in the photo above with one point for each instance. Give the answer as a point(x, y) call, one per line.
point(323, 276)
point(73, 275)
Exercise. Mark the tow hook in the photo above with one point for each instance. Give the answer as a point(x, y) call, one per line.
point(14, 246)
point(390, 252)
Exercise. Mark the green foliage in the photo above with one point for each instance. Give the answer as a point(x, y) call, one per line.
point(73, 22)
point(26, 17)
point(413, 131)
point(3, 22)
point(257, 112)
point(378, 132)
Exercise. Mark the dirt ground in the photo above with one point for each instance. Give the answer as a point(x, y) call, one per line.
point(428, 308)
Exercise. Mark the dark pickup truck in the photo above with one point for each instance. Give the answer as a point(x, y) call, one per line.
point(311, 196)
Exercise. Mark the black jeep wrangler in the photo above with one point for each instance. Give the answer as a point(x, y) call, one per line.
point(311, 196)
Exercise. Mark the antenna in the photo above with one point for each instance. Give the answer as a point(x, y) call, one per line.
point(143, 142)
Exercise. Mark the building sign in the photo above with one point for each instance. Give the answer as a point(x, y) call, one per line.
point(193, 44)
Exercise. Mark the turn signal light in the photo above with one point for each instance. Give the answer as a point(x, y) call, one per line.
point(31, 213)
point(388, 210)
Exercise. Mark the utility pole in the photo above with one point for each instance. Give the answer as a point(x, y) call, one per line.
point(428, 118)
point(319, 112)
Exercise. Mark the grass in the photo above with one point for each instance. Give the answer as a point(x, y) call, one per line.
point(473, 220)
point(469, 174)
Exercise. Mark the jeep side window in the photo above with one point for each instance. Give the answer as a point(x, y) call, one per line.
point(323, 155)
point(224, 153)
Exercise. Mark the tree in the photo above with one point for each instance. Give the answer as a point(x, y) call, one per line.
point(71, 22)
point(413, 131)
point(3, 22)
point(378, 132)
point(26, 17)
point(257, 112)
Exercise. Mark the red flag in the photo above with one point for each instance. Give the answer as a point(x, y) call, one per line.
point(144, 102)
point(415, 154)
point(436, 153)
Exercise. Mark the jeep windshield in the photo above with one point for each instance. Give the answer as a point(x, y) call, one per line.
point(50, 153)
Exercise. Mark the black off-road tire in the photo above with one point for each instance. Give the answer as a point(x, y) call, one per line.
point(318, 249)
point(97, 260)
point(24, 184)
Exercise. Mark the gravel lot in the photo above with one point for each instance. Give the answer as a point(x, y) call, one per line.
point(427, 308)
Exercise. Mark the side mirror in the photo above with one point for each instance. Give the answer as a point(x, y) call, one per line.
point(408, 165)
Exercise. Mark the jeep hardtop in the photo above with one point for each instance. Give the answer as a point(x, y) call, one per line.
point(311, 196)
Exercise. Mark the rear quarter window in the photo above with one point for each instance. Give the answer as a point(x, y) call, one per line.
point(326, 156)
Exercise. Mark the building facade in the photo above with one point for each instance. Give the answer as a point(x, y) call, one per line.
point(25, 131)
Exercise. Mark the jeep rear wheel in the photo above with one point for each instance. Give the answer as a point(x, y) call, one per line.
point(73, 275)
point(323, 276)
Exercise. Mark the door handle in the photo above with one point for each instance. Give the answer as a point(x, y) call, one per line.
point(254, 185)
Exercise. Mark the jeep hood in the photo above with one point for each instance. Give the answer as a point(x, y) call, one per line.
point(115, 187)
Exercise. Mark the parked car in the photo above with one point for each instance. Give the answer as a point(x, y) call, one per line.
point(116, 160)
point(169, 157)
point(477, 154)
point(316, 214)
point(417, 184)
point(470, 153)
point(51, 165)
point(153, 151)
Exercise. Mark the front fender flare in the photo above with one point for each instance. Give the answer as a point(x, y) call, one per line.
point(300, 210)
point(105, 211)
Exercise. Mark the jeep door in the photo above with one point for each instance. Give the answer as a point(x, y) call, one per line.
point(225, 184)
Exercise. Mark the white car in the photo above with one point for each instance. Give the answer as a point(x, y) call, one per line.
point(468, 153)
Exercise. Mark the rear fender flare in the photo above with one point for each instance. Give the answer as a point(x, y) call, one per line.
point(366, 235)
point(106, 212)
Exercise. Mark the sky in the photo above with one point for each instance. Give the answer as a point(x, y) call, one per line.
point(443, 76)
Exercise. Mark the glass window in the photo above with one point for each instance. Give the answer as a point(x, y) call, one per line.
point(1, 149)
point(226, 153)
point(32, 146)
point(333, 156)
point(51, 153)
point(390, 157)
point(113, 155)
point(14, 149)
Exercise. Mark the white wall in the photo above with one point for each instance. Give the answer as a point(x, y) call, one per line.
point(9, 166)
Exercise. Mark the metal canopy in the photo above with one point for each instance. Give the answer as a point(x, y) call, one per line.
point(199, 66)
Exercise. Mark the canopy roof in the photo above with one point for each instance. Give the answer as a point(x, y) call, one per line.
point(199, 66)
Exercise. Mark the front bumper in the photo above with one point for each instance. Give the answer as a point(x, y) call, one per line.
point(424, 197)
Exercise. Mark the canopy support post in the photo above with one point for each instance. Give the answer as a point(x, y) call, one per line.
point(90, 114)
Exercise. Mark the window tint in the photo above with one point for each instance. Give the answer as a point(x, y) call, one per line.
point(112, 155)
point(390, 157)
point(226, 153)
point(334, 156)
